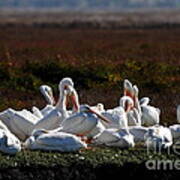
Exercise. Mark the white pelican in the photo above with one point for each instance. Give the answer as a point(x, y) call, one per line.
point(48, 94)
point(158, 137)
point(54, 141)
point(134, 114)
point(117, 138)
point(150, 114)
point(22, 126)
point(83, 123)
point(9, 144)
point(124, 115)
point(56, 116)
point(119, 116)
point(178, 114)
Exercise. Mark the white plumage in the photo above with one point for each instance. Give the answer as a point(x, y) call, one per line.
point(150, 114)
point(83, 122)
point(117, 138)
point(54, 141)
point(9, 143)
point(117, 117)
point(131, 105)
point(158, 137)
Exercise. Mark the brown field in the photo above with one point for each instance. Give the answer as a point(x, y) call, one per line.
point(98, 60)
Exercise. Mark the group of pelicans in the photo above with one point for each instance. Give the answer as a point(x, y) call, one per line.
point(55, 128)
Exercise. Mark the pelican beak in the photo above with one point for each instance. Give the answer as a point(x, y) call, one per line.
point(99, 115)
point(53, 102)
point(75, 102)
point(128, 93)
point(73, 97)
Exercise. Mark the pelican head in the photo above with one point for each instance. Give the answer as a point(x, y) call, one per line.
point(127, 103)
point(86, 108)
point(144, 101)
point(65, 83)
point(48, 94)
point(66, 87)
point(100, 107)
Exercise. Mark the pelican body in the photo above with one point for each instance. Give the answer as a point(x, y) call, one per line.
point(150, 114)
point(134, 113)
point(54, 141)
point(83, 123)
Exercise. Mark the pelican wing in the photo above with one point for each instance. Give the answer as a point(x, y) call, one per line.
point(117, 118)
point(80, 123)
point(9, 144)
point(17, 123)
point(27, 115)
point(50, 121)
point(150, 115)
point(58, 141)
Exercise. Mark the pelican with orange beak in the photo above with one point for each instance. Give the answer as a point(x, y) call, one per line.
point(22, 125)
point(60, 113)
point(82, 123)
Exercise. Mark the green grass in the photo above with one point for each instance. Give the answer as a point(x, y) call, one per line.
point(86, 164)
